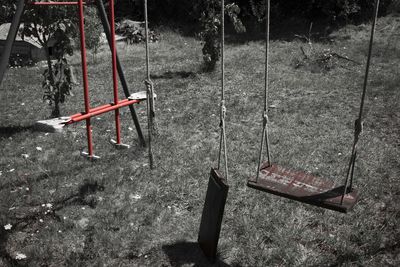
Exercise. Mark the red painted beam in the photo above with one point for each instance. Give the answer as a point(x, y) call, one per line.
point(54, 3)
point(101, 110)
point(97, 108)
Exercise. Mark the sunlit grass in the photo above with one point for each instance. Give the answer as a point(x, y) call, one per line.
point(117, 212)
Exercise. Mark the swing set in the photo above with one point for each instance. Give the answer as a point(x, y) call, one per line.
point(273, 178)
point(56, 125)
point(270, 177)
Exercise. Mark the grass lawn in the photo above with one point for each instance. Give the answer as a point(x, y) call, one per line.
point(66, 211)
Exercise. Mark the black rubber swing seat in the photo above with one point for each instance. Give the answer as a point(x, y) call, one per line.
point(213, 212)
point(303, 187)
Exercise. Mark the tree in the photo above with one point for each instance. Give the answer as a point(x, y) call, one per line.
point(93, 30)
point(7, 9)
point(56, 24)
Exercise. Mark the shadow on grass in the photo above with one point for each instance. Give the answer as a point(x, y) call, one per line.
point(174, 74)
point(5, 257)
point(8, 131)
point(182, 253)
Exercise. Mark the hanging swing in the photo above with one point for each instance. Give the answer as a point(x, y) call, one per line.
point(301, 186)
point(217, 190)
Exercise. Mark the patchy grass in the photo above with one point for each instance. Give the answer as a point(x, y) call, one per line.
point(66, 211)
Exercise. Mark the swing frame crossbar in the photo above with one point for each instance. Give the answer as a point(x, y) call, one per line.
point(303, 187)
point(53, 3)
point(89, 112)
point(101, 110)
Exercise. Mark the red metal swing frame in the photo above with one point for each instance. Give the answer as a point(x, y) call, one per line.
point(117, 103)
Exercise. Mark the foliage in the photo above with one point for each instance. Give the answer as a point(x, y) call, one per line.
point(210, 21)
point(7, 9)
point(53, 28)
point(59, 84)
point(333, 11)
point(135, 31)
point(93, 30)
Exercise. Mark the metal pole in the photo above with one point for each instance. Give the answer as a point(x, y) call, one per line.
point(12, 34)
point(85, 77)
point(107, 31)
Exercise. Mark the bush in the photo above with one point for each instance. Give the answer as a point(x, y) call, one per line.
point(211, 29)
point(335, 11)
point(57, 83)
point(93, 28)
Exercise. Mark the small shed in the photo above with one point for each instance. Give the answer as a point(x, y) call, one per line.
point(24, 49)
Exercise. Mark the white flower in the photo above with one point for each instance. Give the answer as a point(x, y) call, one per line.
point(20, 256)
point(38, 148)
point(8, 226)
point(49, 205)
point(25, 156)
point(137, 196)
point(11, 170)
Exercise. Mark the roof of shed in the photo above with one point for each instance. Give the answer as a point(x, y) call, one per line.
point(5, 28)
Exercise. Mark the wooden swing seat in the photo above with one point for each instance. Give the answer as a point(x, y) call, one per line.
point(55, 125)
point(303, 187)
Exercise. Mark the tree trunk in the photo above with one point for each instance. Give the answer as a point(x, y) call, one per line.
point(56, 110)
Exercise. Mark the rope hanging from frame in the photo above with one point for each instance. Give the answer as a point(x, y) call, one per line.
point(358, 125)
point(222, 141)
point(318, 191)
point(152, 126)
point(265, 121)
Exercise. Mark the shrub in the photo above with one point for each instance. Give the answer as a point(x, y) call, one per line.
point(210, 33)
point(58, 84)
point(93, 29)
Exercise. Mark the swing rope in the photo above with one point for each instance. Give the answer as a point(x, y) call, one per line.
point(358, 128)
point(265, 120)
point(222, 142)
point(149, 90)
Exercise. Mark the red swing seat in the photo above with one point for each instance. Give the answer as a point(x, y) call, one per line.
point(303, 187)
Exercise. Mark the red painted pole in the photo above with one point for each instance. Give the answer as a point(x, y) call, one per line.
point(114, 71)
point(85, 77)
